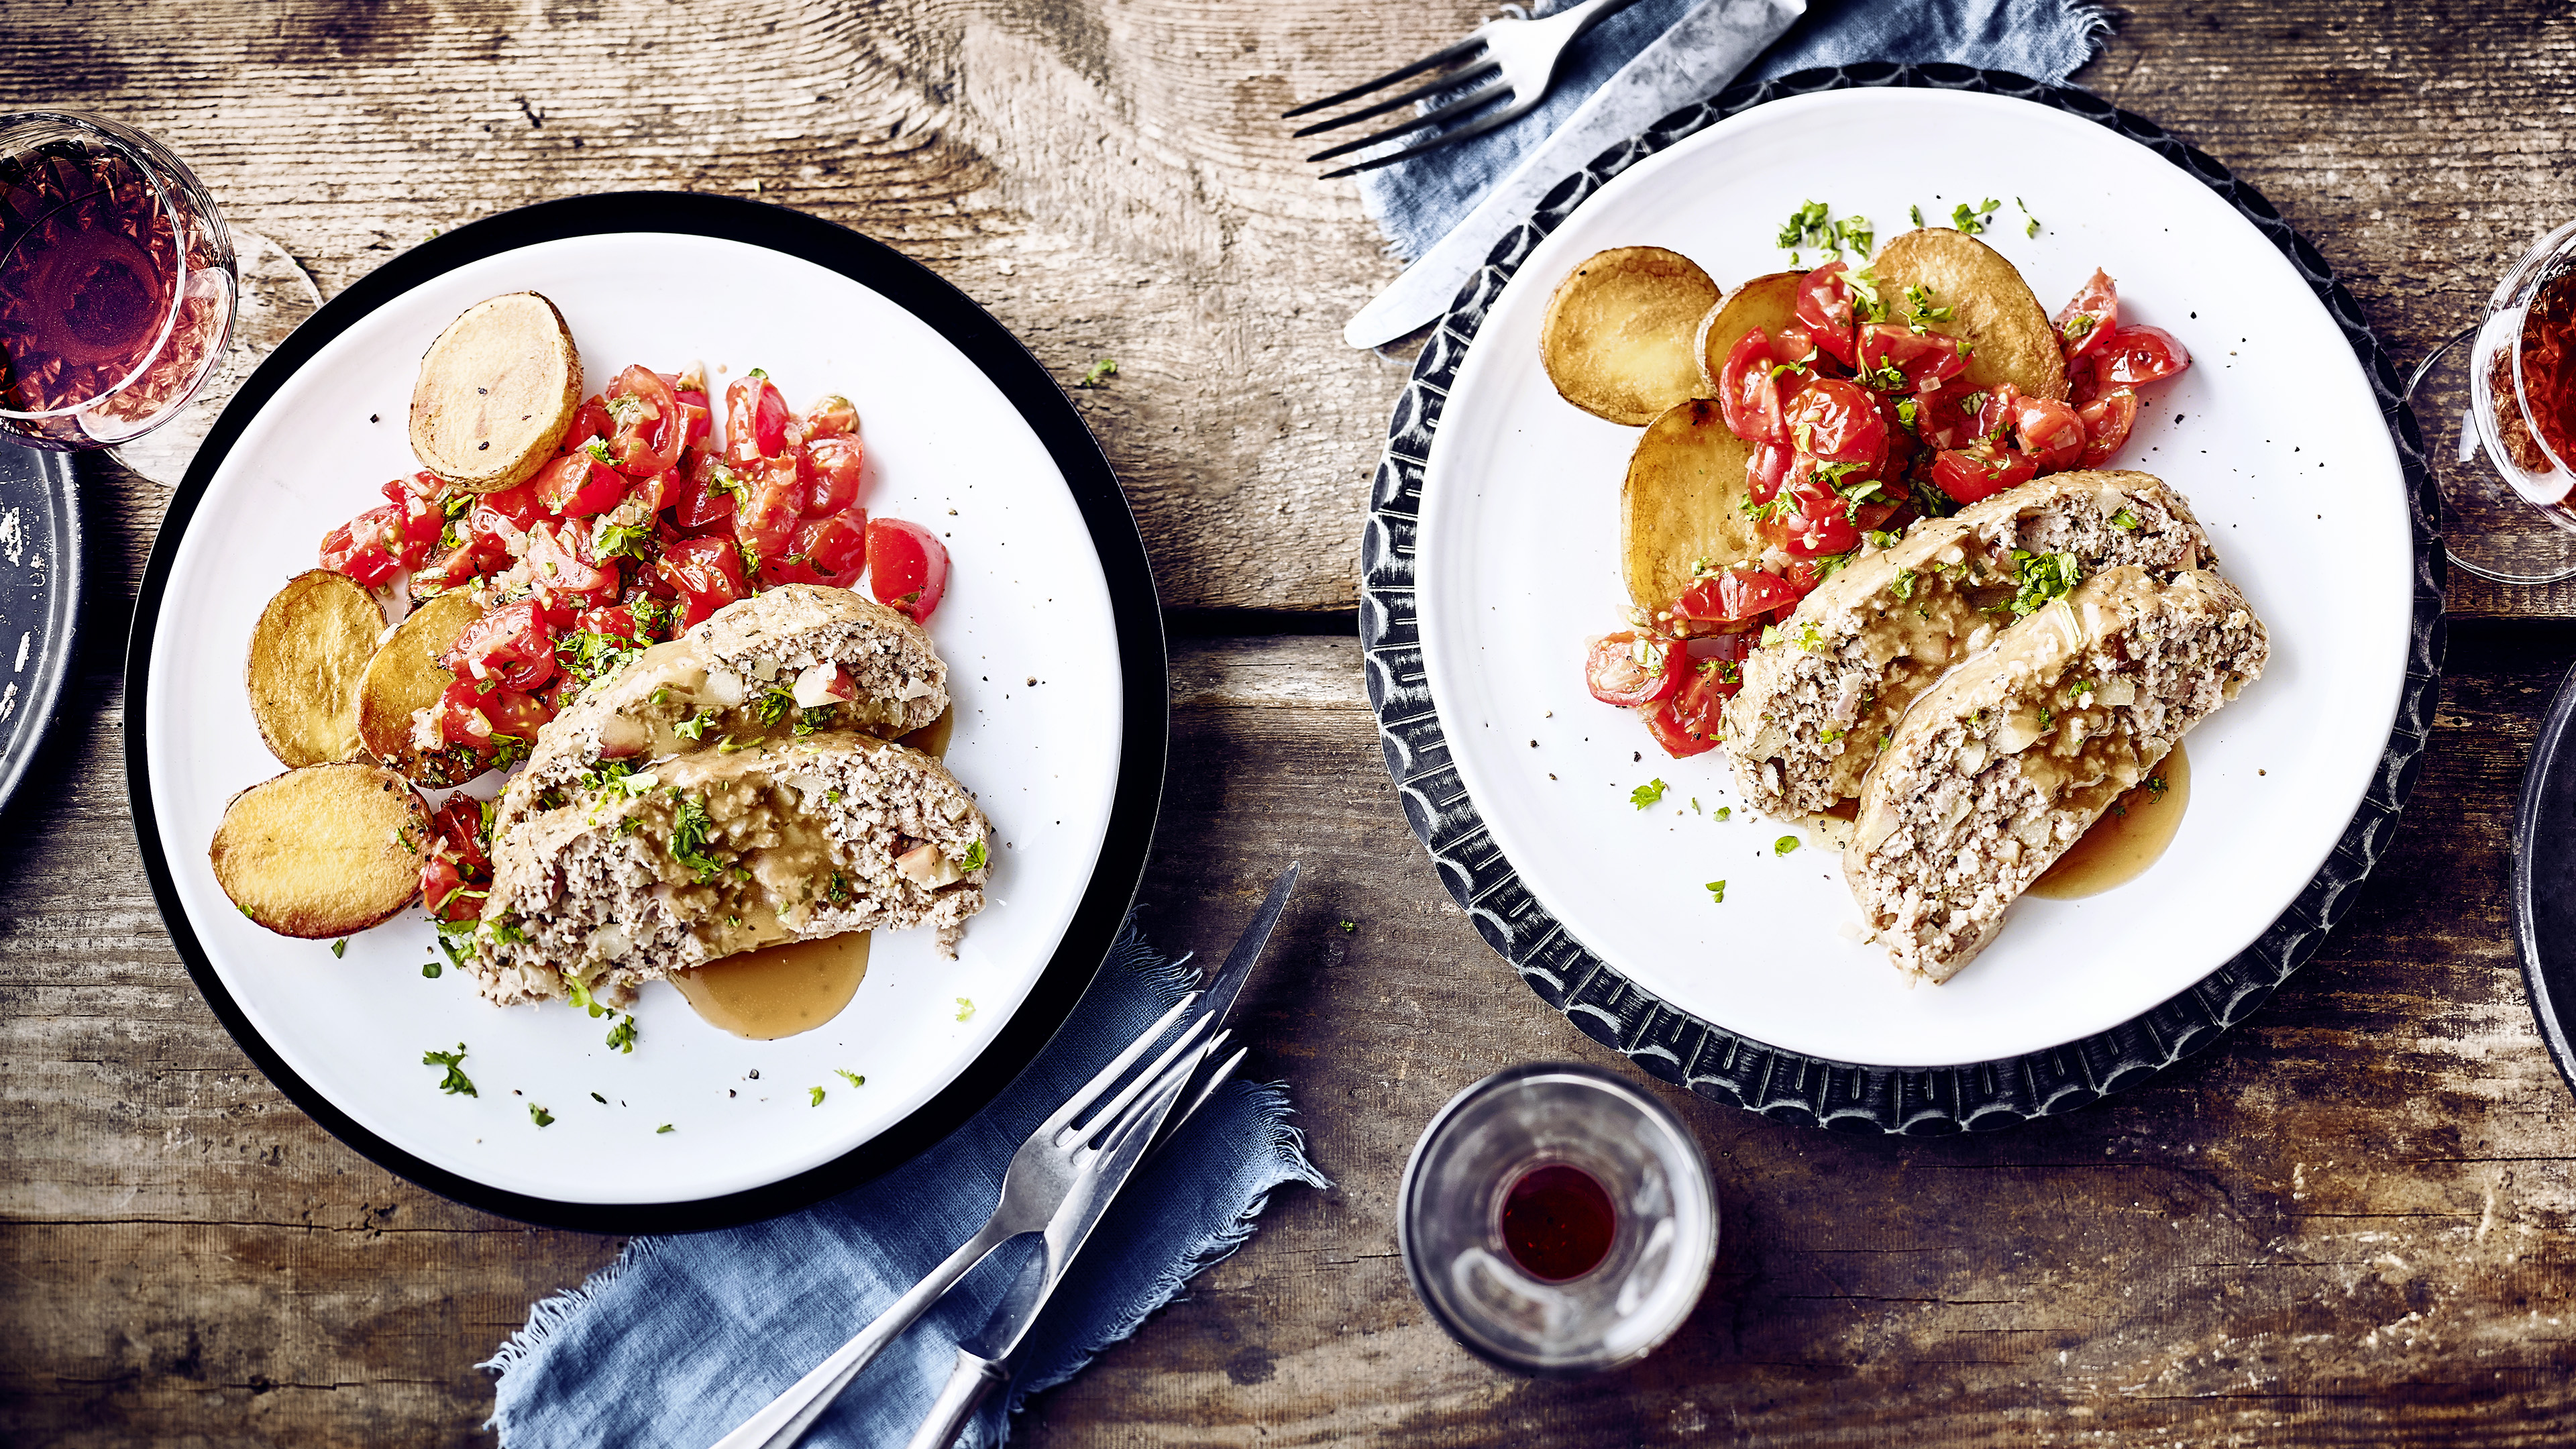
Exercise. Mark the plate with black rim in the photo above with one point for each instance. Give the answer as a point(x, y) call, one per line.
point(2544, 879)
point(1049, 627)
point(1491, 555)
point(40, 593)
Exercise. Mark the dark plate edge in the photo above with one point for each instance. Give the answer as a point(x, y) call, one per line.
point(1134, 604)
point(2547, 780)
point(46, 692)
point(1677, 1047)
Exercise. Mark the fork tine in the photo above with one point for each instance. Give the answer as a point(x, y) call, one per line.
point(1215, 1080)
point(1477, 127)
point(1423, 92)
point(1073, 1107)
point(1482, 96)
point(1437, 57)
point(1149, 1078)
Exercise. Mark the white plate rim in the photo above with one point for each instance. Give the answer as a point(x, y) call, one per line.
point(1136, 620)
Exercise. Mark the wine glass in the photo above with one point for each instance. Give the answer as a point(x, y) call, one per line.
point(118, 283)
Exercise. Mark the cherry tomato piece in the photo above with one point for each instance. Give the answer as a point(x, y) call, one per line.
point(697, 415)
point(1666, 726)
point(459, 824)
point(2049, 431)
point(2107, 420)
point(1942, 418)
point(907, 566)
point(510, 647)
point(568, 579)
point(2142, 354)
point(366, 548)
point(1980, 470)
point(446, 893)
point(1816, 520)
point(578, 485)
point(1629, 669)
point(1825, 310)
point(1767, 469)
point(1899, 359)
point(755, 419)
point(765, 519)
point(831, 416)
point(2086, 322)
point(590, 420)
point(836, 547)
point(1751, 397)
point(836, 462)
point(1838, 421)
point(708, 574)
point(1737, 594)
point(520, 505)
point(649, 426)
point(715, 491)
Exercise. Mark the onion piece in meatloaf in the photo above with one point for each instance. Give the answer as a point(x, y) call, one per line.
point(691, 859)
point(792, 660)
point(1830, 683)
point(2008, 761)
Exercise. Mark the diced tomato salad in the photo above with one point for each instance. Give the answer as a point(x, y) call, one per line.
point(1861, 423)
point(643, 524)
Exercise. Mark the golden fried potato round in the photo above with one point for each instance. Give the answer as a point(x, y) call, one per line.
point(1988, 302)
point(307, 653)
point(1617, 337)
point(404, 678)
point(1768, 302)
point(496, 392)
point(322, 851)
point(1683, 503)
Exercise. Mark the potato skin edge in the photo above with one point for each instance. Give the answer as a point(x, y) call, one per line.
point(521, 469)
point(261, 718)
point(1560, 338)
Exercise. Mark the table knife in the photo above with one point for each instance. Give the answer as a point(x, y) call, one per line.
point(1703, 50)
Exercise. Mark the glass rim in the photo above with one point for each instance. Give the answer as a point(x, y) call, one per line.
point(2514, 292)
point(139, 149)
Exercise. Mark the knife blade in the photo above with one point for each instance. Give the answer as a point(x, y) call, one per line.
point(1700, 53)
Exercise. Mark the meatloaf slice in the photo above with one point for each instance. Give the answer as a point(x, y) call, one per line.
point(802, 657)
point(1825, 688)
point(2005, 763)
point(713, 853)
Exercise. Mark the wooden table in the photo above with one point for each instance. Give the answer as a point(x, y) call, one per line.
point(2348, 1223)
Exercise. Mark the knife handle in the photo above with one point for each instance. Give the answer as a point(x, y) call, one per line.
point(968, 1383)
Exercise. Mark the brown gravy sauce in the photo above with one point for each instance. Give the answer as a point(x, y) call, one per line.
point(932, 739)
point(779, 990)
point(2128, 838)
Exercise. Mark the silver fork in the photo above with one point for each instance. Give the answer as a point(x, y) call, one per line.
point(1524, 53)
point(1055, 1162)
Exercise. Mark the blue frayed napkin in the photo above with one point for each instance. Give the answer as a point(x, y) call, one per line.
point(1416, 202)
point(683, 1338)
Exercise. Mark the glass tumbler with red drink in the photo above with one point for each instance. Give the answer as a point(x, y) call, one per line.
point(117, 281)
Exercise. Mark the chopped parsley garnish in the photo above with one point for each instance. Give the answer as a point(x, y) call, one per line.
point(772, 706)
point(839, 889)
point(695, 726)
point(818, 1097)
point(1725, 812)
point(621, 540)
point(2041, 579)
point(621, 1037)
point(1105, 367)
point(1920, 299)
point(2033, 228)
point(853, 1078)
point(430, 969)
point(1915, 213)
point(810, 720)
point(965, 1008)
point(1903, 588)
point(974, 858)
point(1972, 221)
point(665, 1127)
point(455, 1082)
point(1716, 892)
point(1646, 794)
point(540, 1115)
point(1784, 845)
point(2155, 785)
point(340, 948)
point(1349, 926)
point(1906, 412)
point(603, 1101)
point(597, 448)
point(1812, 225)
point(580, 994)
point(590, 656)
point(2125, 519)
point(689, 830)
point(625, 410)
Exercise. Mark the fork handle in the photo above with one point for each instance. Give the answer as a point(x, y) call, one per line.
point(973, 1377)
point(786, 1418)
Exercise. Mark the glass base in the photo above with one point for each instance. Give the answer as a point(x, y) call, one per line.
point(2487, 528)
point(276, 297)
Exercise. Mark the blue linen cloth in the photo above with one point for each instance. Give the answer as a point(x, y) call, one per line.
point(682, 1338)
point(1416, 202)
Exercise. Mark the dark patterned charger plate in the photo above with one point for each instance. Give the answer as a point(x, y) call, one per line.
point(1676, 1046)
point(40, 588)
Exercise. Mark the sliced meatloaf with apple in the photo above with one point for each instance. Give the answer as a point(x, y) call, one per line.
point(2005, 763)
point(1824, 690)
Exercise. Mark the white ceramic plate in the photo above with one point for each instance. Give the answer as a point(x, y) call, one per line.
point(1029, 599)
point(2274, 434)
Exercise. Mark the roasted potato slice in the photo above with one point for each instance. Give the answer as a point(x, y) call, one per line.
point(1768, 302)
point(403, 678)
point(1683, 501)
point(496, 392)
point(322, 851)
point(307, 653)
point(1989, 305)
point(1617, 337)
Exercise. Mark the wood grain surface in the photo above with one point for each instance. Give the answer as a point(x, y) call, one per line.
point(2347, 1224)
